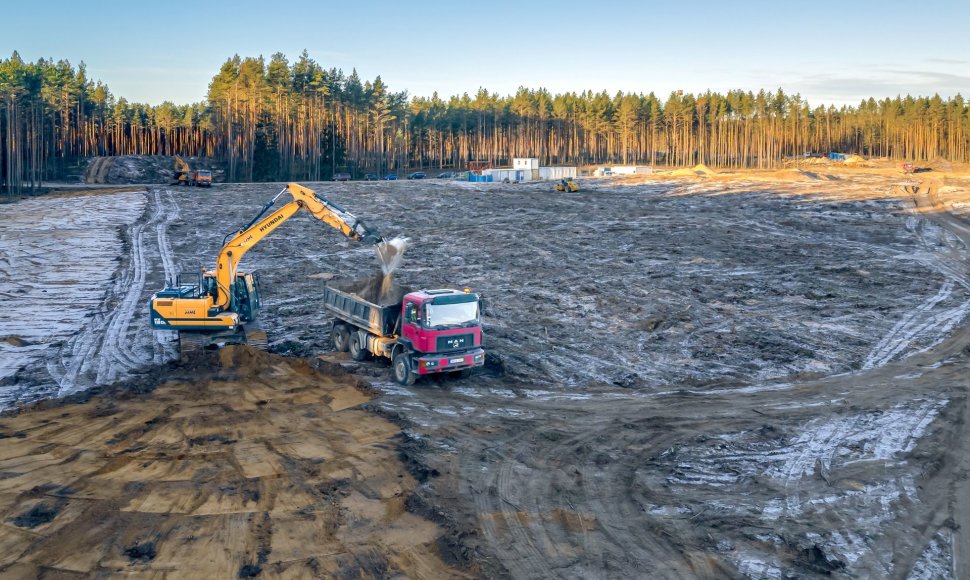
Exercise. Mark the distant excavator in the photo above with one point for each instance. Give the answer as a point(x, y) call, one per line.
point(220, 306)
point(185, 176)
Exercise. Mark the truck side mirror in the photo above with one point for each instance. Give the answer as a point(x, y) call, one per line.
point(481, 306)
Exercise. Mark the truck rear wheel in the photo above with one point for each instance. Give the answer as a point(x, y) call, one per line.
point(357, 350)
point(401, 369)
point(341, 337)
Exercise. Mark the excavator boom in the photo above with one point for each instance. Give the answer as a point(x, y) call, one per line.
point(389, 252)
point(331, 213)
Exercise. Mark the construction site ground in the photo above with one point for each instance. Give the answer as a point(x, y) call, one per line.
point(757, 374)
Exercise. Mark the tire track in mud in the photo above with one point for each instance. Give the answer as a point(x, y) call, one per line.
point(715, 522)
point(911, 325)
point(115, 355)
point(955, 551)
point(172, 212)
point(673, 524)
point(566, 510)
point(114, 344)
point(163, 346)
point(922, 322)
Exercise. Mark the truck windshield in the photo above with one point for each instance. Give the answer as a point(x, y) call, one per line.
point(452, 314)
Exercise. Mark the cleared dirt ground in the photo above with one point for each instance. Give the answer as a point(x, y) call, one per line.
point(754, 375)
point(239, 465)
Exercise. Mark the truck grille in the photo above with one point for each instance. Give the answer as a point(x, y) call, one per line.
point(455, 342)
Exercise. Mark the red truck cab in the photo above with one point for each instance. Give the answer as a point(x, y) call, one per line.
point(443, 331)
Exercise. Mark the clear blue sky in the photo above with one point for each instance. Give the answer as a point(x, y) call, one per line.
point(830, 52)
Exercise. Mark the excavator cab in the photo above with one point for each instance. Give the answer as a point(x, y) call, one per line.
point(246, 296)
point(187, 285)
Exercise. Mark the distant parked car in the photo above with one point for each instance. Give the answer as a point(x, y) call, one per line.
point(417, 175)
point(341, 177)
point(370, 177)
point(446, 175)
point(390, 177)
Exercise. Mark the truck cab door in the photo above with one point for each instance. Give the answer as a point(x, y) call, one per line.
point(410, 322)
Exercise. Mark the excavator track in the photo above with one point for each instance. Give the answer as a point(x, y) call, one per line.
point(256, 337)
point(190, 343)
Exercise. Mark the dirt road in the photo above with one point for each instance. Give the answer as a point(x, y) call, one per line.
point(695, 377)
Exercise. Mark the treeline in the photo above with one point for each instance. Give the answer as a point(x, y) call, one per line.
point(278, 120)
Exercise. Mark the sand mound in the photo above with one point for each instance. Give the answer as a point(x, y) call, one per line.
point(699, 170)
point(253, 464)
point(791, 175)
point(15, 341)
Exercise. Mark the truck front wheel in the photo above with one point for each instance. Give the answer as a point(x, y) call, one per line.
point(341, 338)
point(402, 369)
point(357, 351)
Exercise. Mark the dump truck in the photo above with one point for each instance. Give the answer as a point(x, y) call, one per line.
point(184, 175)
point(201, 178)
point(422, 332)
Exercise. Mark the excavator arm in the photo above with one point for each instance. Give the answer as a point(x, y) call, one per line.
point(237, 244)
point(181, 166)
point(334, 215)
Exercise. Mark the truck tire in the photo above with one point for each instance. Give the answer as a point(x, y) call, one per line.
point(401, 369)
point(357, 351)
point(340, 337)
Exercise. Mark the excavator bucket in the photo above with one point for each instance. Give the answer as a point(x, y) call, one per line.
point(390, 253)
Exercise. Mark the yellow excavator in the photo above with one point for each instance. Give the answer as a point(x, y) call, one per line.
point(182, 171)
point(220, 306)
point(567, 184)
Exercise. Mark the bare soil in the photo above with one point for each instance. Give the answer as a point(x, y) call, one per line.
point(241, 464)
point(752, 375)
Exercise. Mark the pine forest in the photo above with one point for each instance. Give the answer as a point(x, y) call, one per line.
point(279, 120)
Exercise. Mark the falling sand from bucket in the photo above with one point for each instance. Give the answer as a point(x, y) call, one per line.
point(390, 254)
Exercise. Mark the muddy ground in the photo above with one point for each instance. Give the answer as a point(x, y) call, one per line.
point(755, 375)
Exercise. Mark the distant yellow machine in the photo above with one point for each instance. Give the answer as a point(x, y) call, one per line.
point(220, 306)
point(567, 184)
point(185, 176)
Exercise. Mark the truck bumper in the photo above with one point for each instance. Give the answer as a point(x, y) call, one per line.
point(436, 363)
